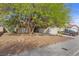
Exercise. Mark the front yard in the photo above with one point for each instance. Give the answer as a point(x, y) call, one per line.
point(12, 44)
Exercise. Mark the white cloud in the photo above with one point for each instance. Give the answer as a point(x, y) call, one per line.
point(76, 21)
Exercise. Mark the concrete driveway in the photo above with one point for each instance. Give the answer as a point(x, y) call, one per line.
point(67, 48)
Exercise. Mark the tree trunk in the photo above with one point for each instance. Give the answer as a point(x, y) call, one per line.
point(33, 28)
point(17, 29)
point(29, 30)
point(29, 25)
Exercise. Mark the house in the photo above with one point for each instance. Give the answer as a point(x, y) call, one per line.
point(74, 27)
point(50, 30)
point(71, 29)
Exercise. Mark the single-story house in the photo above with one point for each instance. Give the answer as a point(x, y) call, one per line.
point(51, 30)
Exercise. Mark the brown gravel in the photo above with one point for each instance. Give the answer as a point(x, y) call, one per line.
point(11, 44)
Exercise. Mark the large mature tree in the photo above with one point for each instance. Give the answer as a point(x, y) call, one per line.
point(39, 15)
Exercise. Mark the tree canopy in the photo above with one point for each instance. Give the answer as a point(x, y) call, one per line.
point(40, 15)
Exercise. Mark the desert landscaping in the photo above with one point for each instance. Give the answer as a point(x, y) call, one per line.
point(15, 44)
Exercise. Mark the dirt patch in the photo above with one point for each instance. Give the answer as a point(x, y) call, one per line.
point(12, 44)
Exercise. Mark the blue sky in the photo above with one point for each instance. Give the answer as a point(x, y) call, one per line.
point(74, 8)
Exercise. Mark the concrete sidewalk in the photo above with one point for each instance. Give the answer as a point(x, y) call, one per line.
point(67, 48)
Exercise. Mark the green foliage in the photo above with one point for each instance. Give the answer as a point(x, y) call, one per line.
point(43, 15)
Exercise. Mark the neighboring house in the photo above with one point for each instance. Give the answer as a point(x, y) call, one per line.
point(71, 30)
point(51, 30)
point(23, 30)
point(74, 28)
